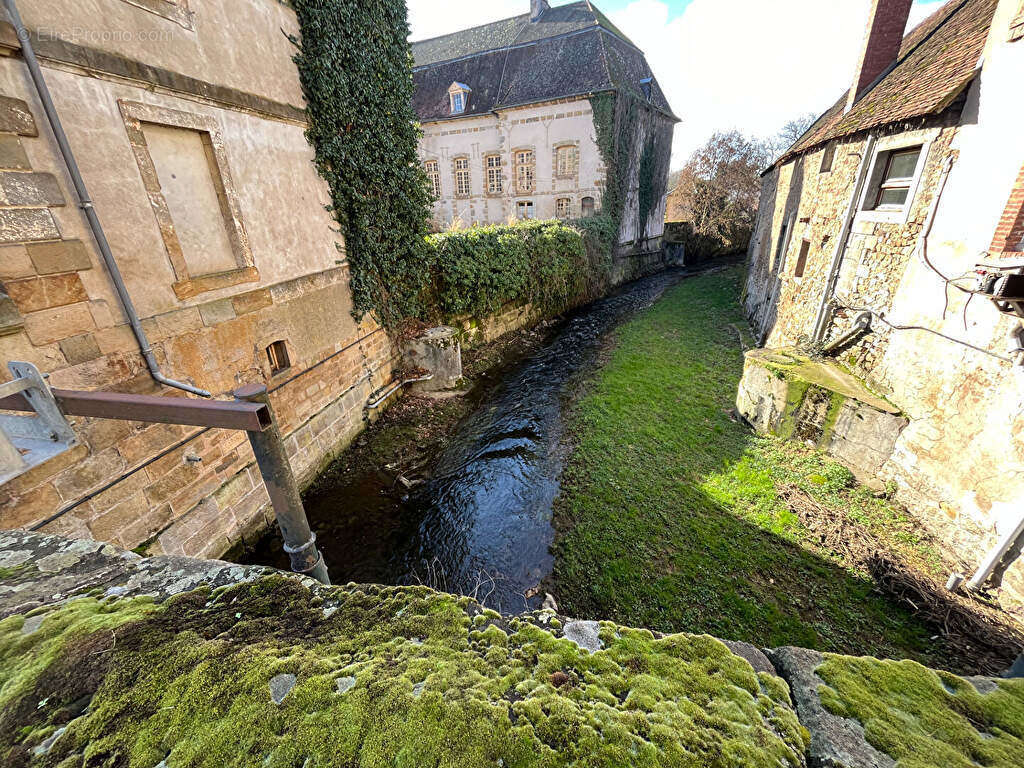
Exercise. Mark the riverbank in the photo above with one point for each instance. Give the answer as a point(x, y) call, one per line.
point(675, 516)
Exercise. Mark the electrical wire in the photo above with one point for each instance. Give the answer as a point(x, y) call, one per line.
point(953, 339)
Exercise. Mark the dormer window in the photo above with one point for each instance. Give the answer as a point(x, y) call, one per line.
point(458, 96)
point(645, 87)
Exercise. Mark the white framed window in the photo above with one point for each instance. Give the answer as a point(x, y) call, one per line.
point(524, 209)
point(526, 171)
point(458, 97)
point(894, 178)
point(567, 159)
point(563, 207)
point(462, 177)
point(899, 167)
point(433, 178)
point(492, 163)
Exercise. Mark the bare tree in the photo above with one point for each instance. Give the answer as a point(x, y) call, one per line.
point(791, 133)
point(719, 189)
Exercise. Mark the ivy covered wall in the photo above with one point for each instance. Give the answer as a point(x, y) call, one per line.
point(636, 143)
point(355, 67)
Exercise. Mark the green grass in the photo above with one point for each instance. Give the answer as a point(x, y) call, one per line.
point(670, 516)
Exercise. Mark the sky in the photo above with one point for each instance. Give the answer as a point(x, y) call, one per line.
point(747, 64)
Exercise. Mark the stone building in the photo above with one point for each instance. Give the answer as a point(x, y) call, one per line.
point(191, 143)
point(871, 231)
point(509, 126)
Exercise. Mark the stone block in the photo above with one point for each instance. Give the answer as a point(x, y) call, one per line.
point(10, 317)
point(29, 508)
point(217, 312)
point(62, 256)
point(36, 293)
point(52, 325)
point(28, 189)
point(16, 117)
point(43, 472)
point(12, 154)
point(15, 263)
point(25, 225)
point(89, 474)
point(80, 349)
point(252, 301)
point(103, 433)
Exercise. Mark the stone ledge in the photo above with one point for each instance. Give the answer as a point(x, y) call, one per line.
point(103, 649)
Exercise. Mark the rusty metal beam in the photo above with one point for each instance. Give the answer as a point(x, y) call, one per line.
point(245, 416)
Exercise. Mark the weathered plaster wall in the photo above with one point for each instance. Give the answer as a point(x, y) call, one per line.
point(183, 490)
point(542, 128)
point(960, 463)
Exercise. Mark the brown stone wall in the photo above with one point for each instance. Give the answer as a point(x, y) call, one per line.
point(178, 490)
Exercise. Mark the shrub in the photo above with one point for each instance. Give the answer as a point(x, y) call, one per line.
point(549, 264)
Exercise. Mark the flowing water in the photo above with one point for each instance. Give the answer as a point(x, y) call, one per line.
point(481, 525)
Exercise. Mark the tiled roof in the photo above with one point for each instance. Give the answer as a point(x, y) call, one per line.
point(938, 60)
point(571, 50)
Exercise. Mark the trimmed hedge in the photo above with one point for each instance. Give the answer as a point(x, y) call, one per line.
point(550, 264)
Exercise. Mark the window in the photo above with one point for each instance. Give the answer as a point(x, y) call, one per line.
point(563, 206)
point(524, 209)
point(567, 160)
point(781, 247)
point(462, 177)
point(277, 355)
point(646, 87)
point(494, 174)
point(587, 206)
point(433, 178)
point(458, 96)
point(898, 169)
point(801, 261)
point(185, 172)
point(525, 171)
point(828, 158)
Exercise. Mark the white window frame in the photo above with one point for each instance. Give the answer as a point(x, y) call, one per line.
point(525, 169)
point(526, 205)
point(494, 175)
point(460, 174)
point(568, 208)
point(433, 170)
point(883, 149)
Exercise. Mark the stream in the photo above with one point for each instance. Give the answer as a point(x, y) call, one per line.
point(481, 524)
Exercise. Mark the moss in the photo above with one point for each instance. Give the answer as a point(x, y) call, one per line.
point(924, 718)
point(188, 684)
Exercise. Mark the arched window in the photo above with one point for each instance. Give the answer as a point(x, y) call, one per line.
point(587, 205)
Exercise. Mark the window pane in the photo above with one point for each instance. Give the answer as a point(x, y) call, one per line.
point(896, 196)
point(903, 164)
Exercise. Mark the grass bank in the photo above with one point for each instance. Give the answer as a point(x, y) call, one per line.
point(673, 515)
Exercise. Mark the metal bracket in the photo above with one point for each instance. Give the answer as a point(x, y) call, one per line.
point(28, 441)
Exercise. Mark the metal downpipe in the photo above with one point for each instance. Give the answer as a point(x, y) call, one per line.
point(85, 203)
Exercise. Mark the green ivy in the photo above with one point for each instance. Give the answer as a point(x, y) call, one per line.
point(355, 66)
point(549, 264)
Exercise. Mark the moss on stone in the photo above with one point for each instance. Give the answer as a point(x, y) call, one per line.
point(188, 684)
point(927, 719)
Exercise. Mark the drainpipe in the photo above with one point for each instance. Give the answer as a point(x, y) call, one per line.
point(85, 203)
point(825, 306)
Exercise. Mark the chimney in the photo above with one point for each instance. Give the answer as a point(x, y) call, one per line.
point(537, 8)
point(887, 23)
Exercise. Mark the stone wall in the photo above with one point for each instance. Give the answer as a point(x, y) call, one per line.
point(373, 674)
point(959, 464)
point(113, 75)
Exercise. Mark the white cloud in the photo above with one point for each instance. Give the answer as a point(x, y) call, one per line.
point(747, 64)
point(430, 18)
